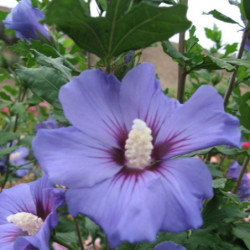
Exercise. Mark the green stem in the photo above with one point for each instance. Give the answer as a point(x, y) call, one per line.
point(231, 85)
point(89, 59)
point(243, 170)
point(61, 242)
point(79, 234)
point(181, 70)
point(222, 160)
point(108, 65)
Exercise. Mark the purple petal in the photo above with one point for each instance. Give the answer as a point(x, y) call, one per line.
point(141, 97)
point(169, 245)
point(72, 158)
point(51, 123)
point(17, 159)
point(46, 197)
point(187, 182)
point(234, 172)
point(8, 235)
point(122, 207)
point(24, 20)
point(24, 170)
point(168, 199)
point(14, 200)
point(90, 102)
point(38, 241)
point(23, 151)
point(200, 123)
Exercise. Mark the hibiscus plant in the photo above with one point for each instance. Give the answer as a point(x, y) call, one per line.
point(95, 154)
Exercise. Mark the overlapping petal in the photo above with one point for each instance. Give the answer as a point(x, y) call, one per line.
point(38, 241)
point(200, 123)
point(127, 204)
point(81, 160)
point(22, 198)
point(47, 199)
point(91, 103)
point(186, 183)
point(141, 97)
point(126, 207)
point(8, 234)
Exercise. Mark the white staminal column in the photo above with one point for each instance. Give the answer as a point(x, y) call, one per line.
point(28, 222)
point(138, 146)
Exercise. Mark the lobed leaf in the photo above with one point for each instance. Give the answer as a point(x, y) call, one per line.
point(44, 82)
point(120, 30)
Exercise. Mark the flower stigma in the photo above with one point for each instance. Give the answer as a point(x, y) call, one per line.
point(28, 222)
point(138, 146)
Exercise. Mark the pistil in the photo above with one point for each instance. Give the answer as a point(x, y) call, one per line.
point(138, 146)
point(28, 222)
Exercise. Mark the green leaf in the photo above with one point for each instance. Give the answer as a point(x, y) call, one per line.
point(218, 15)
point(6, 151)
point(22, 48)
point(230, 48)
point(6, 137)
point(44, 82)
point(91, 226)
point(219, 183)
point(211, 62)
point(241, 230)
point(116, 9)
point(3, 15)
point(33, 100)
point(4, 96)
point(202, 238)
point(232, 151)
point(222, 64)
point(19, 108)
point(214, 170)
point(234, 197)
point(169, 49)
point(10, 90)
point(215, 213)
point(198, 152)
point(246, 5)
point(213, 34)
point(192, 41)
point(239, 62)
point(110, 36)
point(67, 237)
point(58, 115)
point(3, 75)
point(56, 63)
point(245, 115)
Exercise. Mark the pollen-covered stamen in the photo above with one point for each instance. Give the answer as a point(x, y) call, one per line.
point(28, 222)
point(139, 145)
